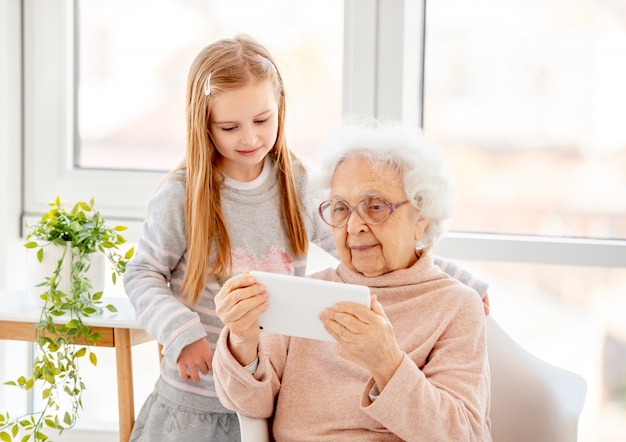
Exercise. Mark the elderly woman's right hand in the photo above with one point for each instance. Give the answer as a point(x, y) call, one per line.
point(238, 304)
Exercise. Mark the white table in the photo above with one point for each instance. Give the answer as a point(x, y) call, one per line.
point(19, 313)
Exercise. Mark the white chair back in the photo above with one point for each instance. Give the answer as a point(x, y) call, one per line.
point(531, 400)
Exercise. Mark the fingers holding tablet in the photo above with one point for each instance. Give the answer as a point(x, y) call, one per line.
point(240, 302)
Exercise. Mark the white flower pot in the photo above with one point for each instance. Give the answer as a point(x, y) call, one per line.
point(37, 272)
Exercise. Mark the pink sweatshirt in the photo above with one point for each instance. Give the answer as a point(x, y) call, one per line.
point(440, 392)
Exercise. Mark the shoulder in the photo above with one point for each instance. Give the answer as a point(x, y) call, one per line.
point(166, 207)
point(171, 190)
point(460, 292)
point(461, 274)
point(173, 182)
point(449, 292)
point(460, 302)
point(299, 172)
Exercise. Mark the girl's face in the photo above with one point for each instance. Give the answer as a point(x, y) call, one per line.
point(244, 126)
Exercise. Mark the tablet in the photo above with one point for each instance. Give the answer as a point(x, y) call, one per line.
point(295, 303)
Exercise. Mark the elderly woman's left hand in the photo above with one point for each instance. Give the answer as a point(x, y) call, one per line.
point(365, 336)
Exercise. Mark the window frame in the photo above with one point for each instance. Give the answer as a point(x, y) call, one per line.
point(50, 134)
point(383, 77)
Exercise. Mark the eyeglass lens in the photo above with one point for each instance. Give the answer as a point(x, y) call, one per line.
point(372, 210)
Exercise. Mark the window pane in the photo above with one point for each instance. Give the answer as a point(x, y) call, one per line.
point(134, 58)
point(528, 98)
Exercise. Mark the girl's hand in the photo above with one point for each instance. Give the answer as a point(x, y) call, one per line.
point(366, 337)
point(486, 304)
point(238, 304)
point(194, 359)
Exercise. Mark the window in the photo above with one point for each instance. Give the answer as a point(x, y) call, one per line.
point(107, 118)
point(526, 99)
point(134, 58)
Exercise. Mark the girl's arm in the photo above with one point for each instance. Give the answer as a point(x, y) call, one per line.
point(157, 268)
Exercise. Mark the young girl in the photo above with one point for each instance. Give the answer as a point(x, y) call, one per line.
point(236, 203)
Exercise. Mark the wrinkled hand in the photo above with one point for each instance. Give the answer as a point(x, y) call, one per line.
point(194, 359)
point(239, 304)
point(366, 337)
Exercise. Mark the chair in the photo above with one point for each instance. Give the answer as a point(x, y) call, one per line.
point(253, 429)
point(531, 400)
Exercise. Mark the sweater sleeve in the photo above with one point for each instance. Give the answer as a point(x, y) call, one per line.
point(239, 390)
point(460, 274)
point(447, 398)
point(148, 276)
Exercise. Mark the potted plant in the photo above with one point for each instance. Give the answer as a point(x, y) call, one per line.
point(67, 296)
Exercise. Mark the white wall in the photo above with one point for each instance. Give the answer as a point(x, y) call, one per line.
point(10, 144)
point(11, 268)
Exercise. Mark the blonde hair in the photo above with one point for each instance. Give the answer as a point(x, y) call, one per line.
point(231, 64)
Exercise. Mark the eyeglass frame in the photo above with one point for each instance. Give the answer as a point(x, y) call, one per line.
point(355, 209)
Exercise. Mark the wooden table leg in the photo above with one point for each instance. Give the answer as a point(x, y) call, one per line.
point(125, 398)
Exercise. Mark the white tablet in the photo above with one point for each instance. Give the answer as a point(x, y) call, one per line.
point(295, 303)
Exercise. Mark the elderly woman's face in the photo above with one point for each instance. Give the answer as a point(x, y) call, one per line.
point(375, 249)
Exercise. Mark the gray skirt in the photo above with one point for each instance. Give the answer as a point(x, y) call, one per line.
point(161, 420)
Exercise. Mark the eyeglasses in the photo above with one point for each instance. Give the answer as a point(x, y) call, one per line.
point(372, 210)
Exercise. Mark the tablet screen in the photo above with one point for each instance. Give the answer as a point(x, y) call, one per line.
point(295, 303)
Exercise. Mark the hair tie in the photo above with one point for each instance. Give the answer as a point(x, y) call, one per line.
point(266, 60)
point(207, 85)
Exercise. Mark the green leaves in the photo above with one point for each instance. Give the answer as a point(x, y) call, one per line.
point(83, 226)
point(60, 345)
point(11, 429)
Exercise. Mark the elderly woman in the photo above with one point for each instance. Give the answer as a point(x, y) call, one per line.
point(414, 365)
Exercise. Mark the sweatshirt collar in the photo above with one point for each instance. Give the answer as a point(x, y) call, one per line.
point(255, 183)
point(421, 270)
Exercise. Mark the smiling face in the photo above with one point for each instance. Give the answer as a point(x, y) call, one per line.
point(244, 126)
point(377, 249)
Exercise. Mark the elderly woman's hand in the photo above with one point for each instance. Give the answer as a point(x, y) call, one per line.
point(238, 304)
point(366, 337)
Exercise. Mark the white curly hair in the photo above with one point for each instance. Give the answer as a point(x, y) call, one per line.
point(427, 182)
